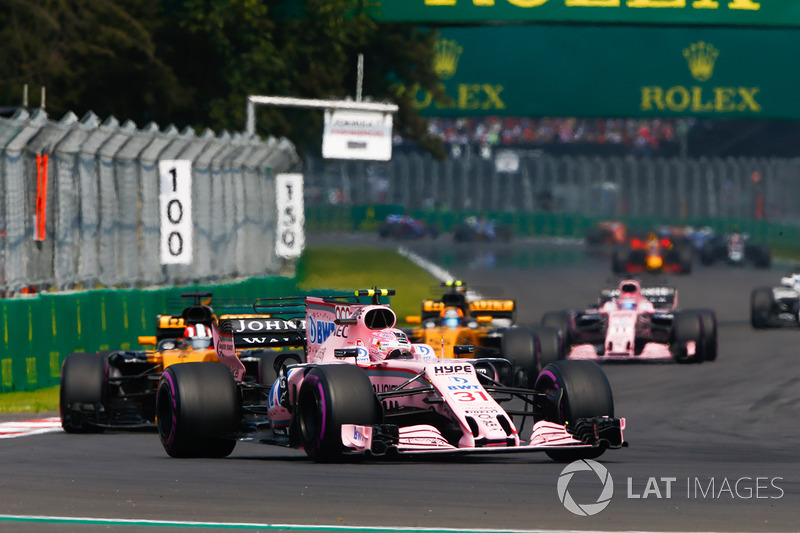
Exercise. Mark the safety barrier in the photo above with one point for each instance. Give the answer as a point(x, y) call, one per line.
point(39, 331)
point(82, 203)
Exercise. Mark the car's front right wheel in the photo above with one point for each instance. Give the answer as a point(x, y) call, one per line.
point(574, 389)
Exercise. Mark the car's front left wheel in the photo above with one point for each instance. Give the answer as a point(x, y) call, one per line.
point(332, 395)
point(197, 407)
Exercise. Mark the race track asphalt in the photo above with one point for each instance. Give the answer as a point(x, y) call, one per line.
point(713, 447)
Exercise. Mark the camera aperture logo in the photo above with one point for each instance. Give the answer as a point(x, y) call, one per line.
point(586, 509)
point(711, 489)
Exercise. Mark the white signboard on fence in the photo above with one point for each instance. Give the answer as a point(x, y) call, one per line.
point(357, 135)
point(175, 212)
point(290, 239)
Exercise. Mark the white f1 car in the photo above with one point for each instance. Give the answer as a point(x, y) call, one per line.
point(364, 389)
point(772, 307)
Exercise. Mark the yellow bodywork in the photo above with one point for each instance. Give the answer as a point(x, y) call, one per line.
point(442, 339)
point(181, 353)
point(456, 320)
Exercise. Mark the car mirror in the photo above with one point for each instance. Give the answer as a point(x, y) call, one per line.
point(463, 349)
point(345, 352)
point(147, 340)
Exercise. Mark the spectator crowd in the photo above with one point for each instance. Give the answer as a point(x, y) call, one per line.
point(640, 136)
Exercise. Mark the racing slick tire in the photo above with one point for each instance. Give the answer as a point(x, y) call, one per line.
point(708, 254)
point(709, 320)
point(551, 347)
point(332, 395)
point(84, 379)
point(575, 389)
point(521, 347)
point(762, 257)
point(761, 303)
point(687, 326)
point(197, 408)
point(559, 320)
point(685, 259)
point(619, 261)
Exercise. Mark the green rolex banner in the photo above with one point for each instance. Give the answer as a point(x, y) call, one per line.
point(561, 70)
point(703, 12)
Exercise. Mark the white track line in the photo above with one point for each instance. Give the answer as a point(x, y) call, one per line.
point(434, 270)
point(25, 428)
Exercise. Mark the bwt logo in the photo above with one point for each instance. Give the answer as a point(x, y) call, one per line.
point(318, 330)
point(586, 509)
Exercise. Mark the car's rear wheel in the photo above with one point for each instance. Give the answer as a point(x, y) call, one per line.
point(198, 410)
point(574, 389)
point(551, 347)
point(332, 395)
point(84, 382)
point(762, 257)
point(708, 254)
point(761, 302)
point(685, 258)
point(709, 320)
point(619, 261)
point(559, 320)
point(521, 348)
point(687, 326)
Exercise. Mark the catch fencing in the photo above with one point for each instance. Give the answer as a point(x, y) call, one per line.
point(79, 203)
point(601, 187)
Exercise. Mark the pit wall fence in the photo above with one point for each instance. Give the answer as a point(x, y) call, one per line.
point(41, 330)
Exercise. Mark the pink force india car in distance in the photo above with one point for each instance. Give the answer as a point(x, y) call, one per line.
point(635, 323)
point(364, 389)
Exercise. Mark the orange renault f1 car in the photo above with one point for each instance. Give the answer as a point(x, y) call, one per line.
point(488, 325)
point(117, 388)
point(365, 389)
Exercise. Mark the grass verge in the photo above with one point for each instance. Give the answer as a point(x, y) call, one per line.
point(37, 401)
point(366, 268)
point(333, 268)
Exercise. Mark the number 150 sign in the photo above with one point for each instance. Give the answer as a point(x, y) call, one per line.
point(175, 200)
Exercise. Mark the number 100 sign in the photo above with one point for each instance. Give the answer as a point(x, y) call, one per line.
point(175, 211)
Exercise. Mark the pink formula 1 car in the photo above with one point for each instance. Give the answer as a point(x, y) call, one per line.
point(634, 323)
point(364, 389)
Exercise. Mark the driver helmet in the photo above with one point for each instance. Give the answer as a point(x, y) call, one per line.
point(389, 344)
point(627, 303)
point(197, 336)
point(451, 317)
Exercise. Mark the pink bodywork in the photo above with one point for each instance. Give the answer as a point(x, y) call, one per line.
point(331, 326)
point(620, 341)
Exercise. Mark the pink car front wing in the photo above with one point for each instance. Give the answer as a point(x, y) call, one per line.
point(428, 439)
point(652, 351)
